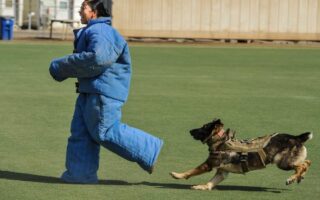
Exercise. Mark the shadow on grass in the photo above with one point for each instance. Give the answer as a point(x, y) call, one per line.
point(219, 187)
point(248, 188)
point(18, 176)
point(48, 179)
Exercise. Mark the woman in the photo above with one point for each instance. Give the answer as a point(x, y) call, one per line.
point(101, 62)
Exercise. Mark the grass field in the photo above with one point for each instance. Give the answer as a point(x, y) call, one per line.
point(254, 90)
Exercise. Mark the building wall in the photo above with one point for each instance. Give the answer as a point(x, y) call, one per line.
point(63, 9)
point(227, 19)
point(76, 8)
point(7, 7)
point(18, 12)
point(45, 10)
point(31, 6)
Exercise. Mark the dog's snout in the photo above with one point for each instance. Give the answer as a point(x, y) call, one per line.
point(193, 132)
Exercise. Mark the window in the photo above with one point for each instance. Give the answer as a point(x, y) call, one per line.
point(63, 5)
point(9, 3)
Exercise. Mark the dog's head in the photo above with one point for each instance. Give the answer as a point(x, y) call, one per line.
point(207, 130)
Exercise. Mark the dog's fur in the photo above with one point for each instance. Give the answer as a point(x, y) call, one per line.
point(284, 150)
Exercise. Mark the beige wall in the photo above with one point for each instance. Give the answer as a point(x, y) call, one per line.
point(226, 19)
point(7, 10)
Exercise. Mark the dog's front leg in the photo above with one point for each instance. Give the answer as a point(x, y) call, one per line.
point(218, 178)
point(300, 171)
point(193, 172)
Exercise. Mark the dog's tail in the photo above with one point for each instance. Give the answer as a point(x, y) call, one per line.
point(305, 137)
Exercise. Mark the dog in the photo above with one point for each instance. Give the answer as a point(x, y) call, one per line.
point(286, 151)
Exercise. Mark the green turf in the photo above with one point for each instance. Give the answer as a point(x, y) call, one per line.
point(255, 90)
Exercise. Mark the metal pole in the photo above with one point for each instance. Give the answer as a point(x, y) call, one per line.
point(29, 19)
point(51, 29)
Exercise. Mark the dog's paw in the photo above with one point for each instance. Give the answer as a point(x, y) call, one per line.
point(299, 179)
point(290, 181)
point(201, 187)
point(177, 175)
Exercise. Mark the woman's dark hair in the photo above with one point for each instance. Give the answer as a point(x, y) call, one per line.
point(98, 6)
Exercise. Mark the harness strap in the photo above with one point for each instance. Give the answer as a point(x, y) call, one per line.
point(262, 156)
point(244, 161)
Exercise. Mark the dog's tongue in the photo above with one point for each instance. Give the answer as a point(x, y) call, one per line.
point(220, 133)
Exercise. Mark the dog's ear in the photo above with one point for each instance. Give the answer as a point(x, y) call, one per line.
point(217, 121)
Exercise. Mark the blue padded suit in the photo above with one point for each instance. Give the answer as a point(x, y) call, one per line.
point(102, 64)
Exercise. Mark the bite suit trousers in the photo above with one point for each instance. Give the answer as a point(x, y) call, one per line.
point(97, 122)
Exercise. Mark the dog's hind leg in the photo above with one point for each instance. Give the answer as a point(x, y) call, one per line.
point(308, 163)
point(300, 171)
point(193, 172)
point(218, 178)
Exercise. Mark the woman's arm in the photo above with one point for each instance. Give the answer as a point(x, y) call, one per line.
point(100, 54)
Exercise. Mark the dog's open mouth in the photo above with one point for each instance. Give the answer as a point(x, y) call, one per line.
point(220, 133)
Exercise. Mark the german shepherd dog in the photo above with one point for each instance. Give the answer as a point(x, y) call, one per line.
point(286, 151)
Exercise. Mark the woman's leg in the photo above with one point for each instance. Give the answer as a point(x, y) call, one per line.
point(103, 117)
point(82, 160)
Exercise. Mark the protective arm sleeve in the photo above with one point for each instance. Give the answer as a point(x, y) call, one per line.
point(100, 54)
